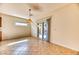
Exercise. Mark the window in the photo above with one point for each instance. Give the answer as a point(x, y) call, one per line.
point(20, 24)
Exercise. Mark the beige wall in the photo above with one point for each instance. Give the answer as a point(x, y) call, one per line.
point(34, 28)
point(65, 26)
point(10, 30)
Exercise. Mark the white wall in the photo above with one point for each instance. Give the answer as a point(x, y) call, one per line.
point(10, 30)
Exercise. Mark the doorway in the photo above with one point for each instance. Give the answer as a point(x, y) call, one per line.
point(43, 30)
point(0, 29)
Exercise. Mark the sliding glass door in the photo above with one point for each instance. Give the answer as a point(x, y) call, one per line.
point(43, 30)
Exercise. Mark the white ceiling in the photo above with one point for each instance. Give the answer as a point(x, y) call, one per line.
point(21, 9)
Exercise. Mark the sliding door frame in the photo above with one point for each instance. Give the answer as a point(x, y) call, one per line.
point(49, 29)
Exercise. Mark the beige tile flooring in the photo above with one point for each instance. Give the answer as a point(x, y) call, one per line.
point(32, 46)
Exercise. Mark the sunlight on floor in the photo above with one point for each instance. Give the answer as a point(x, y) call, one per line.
point(16, 42)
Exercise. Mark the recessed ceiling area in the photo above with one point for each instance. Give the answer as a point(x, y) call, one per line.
point(21, 9)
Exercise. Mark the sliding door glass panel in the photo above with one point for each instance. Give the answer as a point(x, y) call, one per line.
point(40, 31)
point(45, 36)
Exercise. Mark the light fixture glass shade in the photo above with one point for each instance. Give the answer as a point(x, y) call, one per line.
point(29, 20)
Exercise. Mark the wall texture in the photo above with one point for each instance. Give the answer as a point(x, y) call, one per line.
point(10, 30)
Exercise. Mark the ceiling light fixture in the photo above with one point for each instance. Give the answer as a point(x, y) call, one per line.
point(30, 19)
point(29, 14)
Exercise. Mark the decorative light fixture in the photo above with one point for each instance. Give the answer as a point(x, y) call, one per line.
point(30, 19)
point(30, 14)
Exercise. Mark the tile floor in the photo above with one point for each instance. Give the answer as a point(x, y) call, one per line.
point(32, 46)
